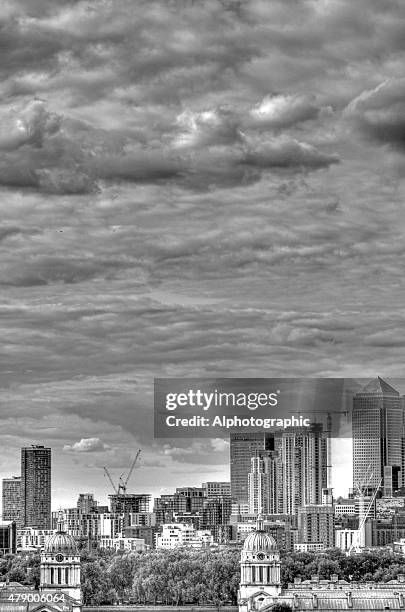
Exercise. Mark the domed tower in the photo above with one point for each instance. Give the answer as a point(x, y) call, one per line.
point(60, 564)
point(260, 569)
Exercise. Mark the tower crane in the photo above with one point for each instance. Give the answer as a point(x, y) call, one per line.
point(121, 488)
point(107, 473)
point(362, 487)
point(122, 484)
point(362, 521)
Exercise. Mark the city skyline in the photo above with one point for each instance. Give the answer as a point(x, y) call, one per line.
point(79, 460)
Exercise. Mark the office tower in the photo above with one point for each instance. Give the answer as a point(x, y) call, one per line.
point(316, 525)
point(215, 488)
point(36, 487)
point(194, 497)
point(11, 499)
point(378, 434)
point(242, 449)
point(303, 454)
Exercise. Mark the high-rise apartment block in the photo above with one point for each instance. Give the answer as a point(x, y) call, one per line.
point(304, 460)
point(11, 497)
point(36, 487)
point(316, 525)
point(242, 448)
point(378, 438)
point(287, 470)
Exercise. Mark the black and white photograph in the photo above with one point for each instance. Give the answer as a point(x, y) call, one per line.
point(202, 236)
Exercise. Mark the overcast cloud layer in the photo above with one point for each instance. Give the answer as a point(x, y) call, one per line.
point(191, 188)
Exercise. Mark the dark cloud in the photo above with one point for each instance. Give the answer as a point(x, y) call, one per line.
point(285, 153)
point(44, 151)
point(380, 113)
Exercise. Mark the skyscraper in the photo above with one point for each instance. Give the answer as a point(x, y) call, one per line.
point(304, 459)
point(36, 487)
point(290, 469)
point(11, 496)
point(242, 449)
point(258, 486)
point(378, 434)
point(264, 483)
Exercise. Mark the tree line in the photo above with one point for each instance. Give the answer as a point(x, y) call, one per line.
point(197, 577)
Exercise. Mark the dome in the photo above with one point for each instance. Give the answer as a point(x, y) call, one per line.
point(61, 542)
point(259, 541)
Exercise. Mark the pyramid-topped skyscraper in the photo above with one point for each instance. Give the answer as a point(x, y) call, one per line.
point(378, 386)
point(378, 434)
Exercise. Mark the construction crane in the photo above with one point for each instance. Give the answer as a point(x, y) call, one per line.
point(121, 488)
point(356, 544)
point(122, 484)
point(107, 473)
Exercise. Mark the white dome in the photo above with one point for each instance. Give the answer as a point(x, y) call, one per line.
point(61, 542)
point(259, 541)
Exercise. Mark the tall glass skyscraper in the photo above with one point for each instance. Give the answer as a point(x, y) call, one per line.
point(378, 434)
point(36, 487)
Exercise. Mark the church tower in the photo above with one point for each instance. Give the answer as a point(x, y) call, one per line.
point(260, 569)
point(60, 565)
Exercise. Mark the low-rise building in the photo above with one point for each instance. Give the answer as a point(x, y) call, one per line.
point(31, 538)
point(8, 537)
point(182, 535)
point(309, 547)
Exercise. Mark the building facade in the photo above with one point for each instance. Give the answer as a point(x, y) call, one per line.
point(378, 438)
point(304, 464)
point(36, 487)
point(316, 525)
point(242, 448)
point(124, 503)
point(182, 535)
point(60, 565)
point(11, 498)
point(8, 537)
point(215, 488)
point(259, 569)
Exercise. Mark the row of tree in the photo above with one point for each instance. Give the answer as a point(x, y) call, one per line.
point(195, 577)
point(163, 577)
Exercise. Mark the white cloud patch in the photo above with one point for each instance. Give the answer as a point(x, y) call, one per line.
point(283, 111)
point(86, 445)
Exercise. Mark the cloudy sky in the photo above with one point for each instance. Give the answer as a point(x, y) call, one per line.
point(191, 188)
